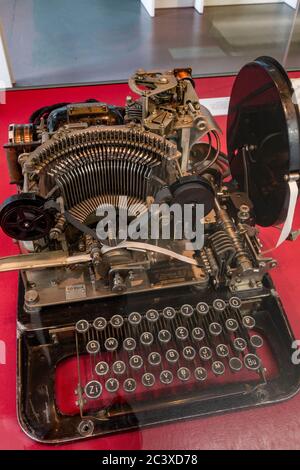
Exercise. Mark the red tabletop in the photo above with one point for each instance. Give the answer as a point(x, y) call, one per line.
point(276, 426)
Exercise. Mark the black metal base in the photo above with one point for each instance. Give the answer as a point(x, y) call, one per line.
point(38, 356)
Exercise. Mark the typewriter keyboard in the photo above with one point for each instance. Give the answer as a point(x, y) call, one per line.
point(162, 354)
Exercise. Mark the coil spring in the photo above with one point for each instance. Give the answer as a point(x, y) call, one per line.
point(222, 246)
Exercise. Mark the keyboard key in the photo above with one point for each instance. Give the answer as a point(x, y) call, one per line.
point(240, 344)
point(166, 377)
point(148, 379)
point(93, 347)
point(119, 367)
point(111, 344)
point(222, 350)
point(181, 333)
point(164, 336)
point(252, 362)
point(235, 364)
point(219, 305)
point(205, 353)
point(112, 385)
point(136, 362)
point(101, 368)
point(231, 324)
point(93, 389)
point(200, 374)
point(129, 344)
point(129, 385)
point(134, 318)
point(146, 338)
point(202, 308)
point(248, 322)
point(235, 302)
point(169, 313)
point(186, 310)
point(183, 374)
point(215, 328)
point(154, 358)
point(82, 326)
point(218, 368)
point(189, 353)
point(99, 323)
point(172, 356)
point(152, 315)
point(116, 321)
point(198, 333)
point(256, 341)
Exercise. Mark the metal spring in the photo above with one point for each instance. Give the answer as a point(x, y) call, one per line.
point(241, 255)
point(222, 246)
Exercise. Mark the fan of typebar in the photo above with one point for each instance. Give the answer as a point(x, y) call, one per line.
point(119, 333)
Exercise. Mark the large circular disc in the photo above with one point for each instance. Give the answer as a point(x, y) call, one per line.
point(263, 119)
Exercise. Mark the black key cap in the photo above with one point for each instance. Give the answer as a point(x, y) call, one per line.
point(82, 326)
point(134, 318)
point(169, 313)
point(198, 333)
point(218, 368)
point(119, 367)
point(111, 344)
point(235, 364)
point(116, 321)
point(200, 374)
point(146, 338)
point(205, 353)
point(219, 305)
point(248, 322)
point(252, 362)
point(148, 379)
point(189, 353)
point(186, 310)
point(164, 336)
point(166, 377)
point(93, 347)
point(136, 362)
point(181, 333)
point(112, 385)
point(231, 324)
point(239, 344)
point(152, 315)
point(101, 368)
point(215, 328)
point(202, 308)
point(183, 374)
point(93, 389)
point(222, 350)
point(235, 302)
point(129, 344)
point(172, 356)
point(154, 358)
point(100, 323)
point(129, 385)
point(256, 341)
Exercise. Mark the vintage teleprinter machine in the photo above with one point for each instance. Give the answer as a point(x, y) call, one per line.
point(120, 333)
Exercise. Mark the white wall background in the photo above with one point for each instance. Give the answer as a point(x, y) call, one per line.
point(151, 5)
point(5, 72)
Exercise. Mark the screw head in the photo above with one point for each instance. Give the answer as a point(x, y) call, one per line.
point(31, 296)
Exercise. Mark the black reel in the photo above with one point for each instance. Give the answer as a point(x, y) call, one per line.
point(263, 137)
point(23, 217)
point(189, 190)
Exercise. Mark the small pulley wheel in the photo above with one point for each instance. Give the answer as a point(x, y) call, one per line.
point(23, 217)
